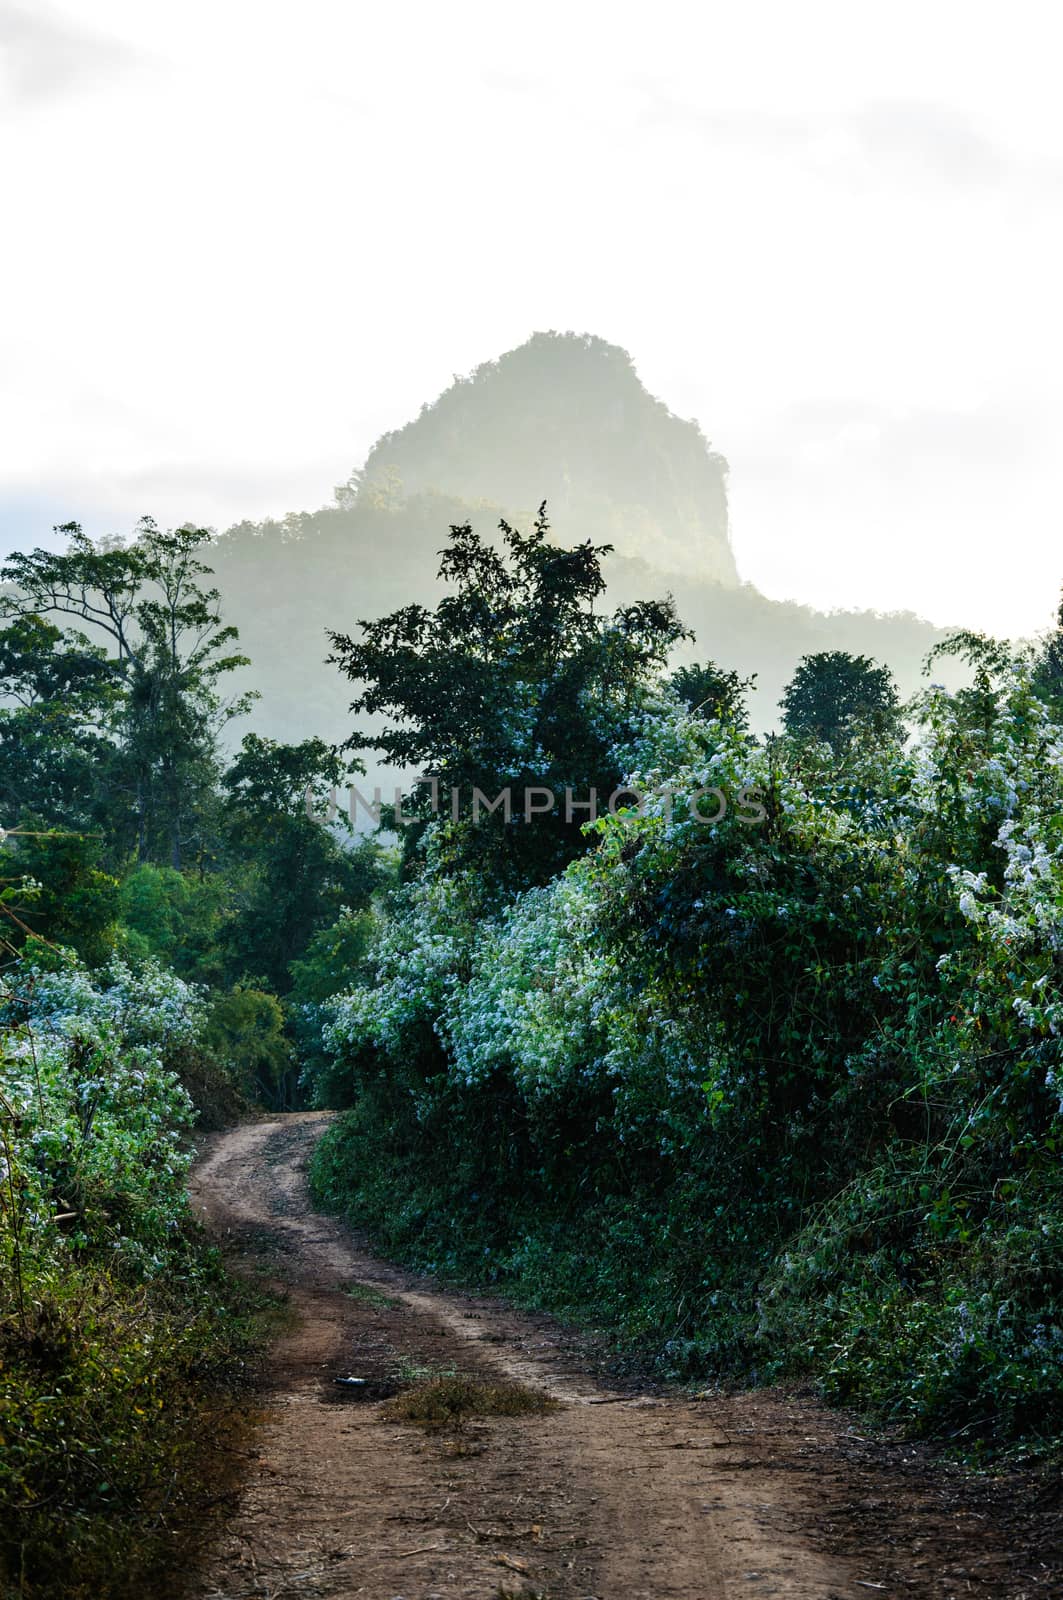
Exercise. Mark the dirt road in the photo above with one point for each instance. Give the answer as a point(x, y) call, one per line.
point(614, 1495)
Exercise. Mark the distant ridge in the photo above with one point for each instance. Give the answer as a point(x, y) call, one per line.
point(565, 418)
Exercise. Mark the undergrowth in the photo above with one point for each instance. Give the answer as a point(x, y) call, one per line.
point(114, 1397)
point(756, 1101)
point(121, 1336)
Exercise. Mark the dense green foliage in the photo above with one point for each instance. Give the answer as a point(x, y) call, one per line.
point(760, 1097)
point(713, 692)
point(514, 686)
point(1048, 669)
point(297, 876)
point(773, 1092)
point(130, 830)
point(834, 695)
point(113, 1315)
point(154, 897)
point(156, 697)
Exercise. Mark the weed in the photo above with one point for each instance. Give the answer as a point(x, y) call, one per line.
point(366, 1295)
point(448, 1402)
point(410, 1371)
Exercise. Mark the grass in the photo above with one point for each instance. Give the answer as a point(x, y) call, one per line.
point(368, 1296)
point(118, 1405)
point(448, 1402)
point(410, 1371)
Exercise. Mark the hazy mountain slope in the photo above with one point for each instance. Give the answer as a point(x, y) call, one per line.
point(742, 629)
point(285, 583)
point(564, 418)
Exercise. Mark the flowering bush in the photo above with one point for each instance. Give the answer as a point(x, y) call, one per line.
point(111, 1311)
point(799, 1082)
point(96, 1115)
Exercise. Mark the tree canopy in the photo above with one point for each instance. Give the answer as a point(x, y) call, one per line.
point(833, 695)
point(514, 682)
point(167, 646)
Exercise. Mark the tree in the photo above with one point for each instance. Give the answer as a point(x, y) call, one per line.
point(59, 693)
point(713, 692)
point(177, 917)
point(298, 874)
point(170, 654)
point(976, 704)
point(834, 695)
point(334, 961)
point(1048, 676)
point(245, 1028)
point(68, 899)
point(514, 682)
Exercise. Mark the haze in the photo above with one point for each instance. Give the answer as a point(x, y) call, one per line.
point(242, 242)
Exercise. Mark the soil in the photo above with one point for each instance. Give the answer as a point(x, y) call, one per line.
point(621, 1492)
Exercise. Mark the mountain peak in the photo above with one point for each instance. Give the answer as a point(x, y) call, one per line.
point(565, 418)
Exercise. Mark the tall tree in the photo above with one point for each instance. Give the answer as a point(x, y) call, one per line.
point(299, 875)
point(834, 695)
point(514, 682)
point(170, 651)
point(58, 694)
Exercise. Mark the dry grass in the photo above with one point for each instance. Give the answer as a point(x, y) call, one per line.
point(448, 1402)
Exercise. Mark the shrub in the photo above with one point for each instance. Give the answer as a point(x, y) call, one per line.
point(112, 1313)
point(768, 1098)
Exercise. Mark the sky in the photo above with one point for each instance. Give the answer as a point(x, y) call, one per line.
point(243, 240)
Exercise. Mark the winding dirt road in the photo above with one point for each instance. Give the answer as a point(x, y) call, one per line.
point(615, 1495)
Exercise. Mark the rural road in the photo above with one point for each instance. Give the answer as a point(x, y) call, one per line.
point(615, 1494)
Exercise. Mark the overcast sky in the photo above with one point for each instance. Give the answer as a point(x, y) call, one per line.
point(242, 240)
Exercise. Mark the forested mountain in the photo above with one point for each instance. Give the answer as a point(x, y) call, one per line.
point(565, 419)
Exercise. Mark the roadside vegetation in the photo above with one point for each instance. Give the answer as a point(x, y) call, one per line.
point(760, 1099)
point(758, 1087)
point(154, 893)
point(119, 1331)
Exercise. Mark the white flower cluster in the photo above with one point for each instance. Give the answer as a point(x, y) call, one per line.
point(1017, 911)
point(550, 996)
point(148, 1005)
point(102, 1116)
